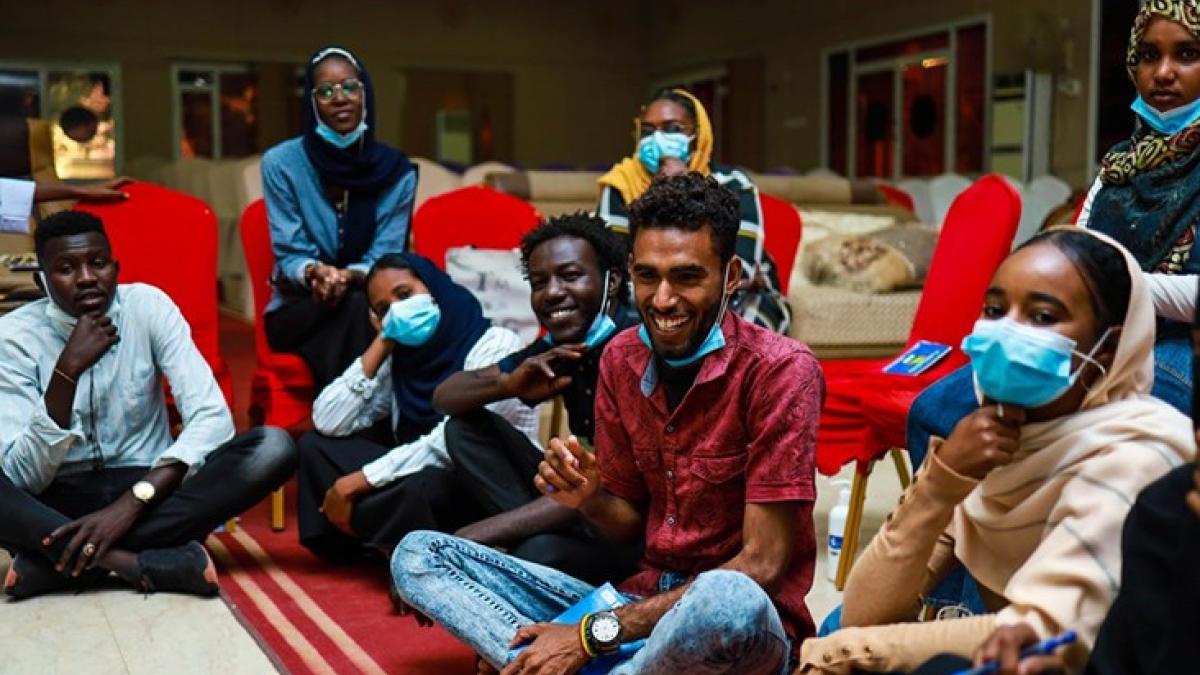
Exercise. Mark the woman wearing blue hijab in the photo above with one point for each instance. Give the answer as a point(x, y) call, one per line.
point(362, 488)
point(337, 199)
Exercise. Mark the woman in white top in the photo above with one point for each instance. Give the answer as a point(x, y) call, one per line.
point(376, 467)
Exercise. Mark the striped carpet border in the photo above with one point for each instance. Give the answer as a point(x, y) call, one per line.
point(287, 630)
point(349, 648)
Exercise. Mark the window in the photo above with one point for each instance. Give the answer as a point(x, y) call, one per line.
point(46, 91)
point(908, 107)
point(216, 111)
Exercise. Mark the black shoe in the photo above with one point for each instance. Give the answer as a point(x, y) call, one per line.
point(183, 569)
point(31, 575)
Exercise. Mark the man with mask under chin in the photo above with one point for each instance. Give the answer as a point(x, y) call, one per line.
point(579, 291)
point(705, 439)
point(91, 481)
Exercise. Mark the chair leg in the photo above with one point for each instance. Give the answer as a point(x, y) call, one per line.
point(901, 467)
point(277, 512)
point(858, 498)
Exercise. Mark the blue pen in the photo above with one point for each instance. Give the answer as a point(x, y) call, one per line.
point(1040, 649)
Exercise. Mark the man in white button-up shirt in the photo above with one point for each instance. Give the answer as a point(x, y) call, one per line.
point(91, 480)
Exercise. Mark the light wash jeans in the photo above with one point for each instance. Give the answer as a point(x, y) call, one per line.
point(724, 623)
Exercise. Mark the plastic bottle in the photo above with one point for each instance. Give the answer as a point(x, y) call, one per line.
point(837, 526)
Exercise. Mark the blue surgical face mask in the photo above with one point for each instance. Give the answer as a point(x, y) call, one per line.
point(1022, 365)
point(1167, 123)
point(602, 326)
point(712, 342)
point(652, 148)
point(412, 321)
point(335, 139)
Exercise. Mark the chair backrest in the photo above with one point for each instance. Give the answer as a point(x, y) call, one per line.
point(1041, 196)
point(783, 228)
point(260, 261)
point(943, 190)
point(897, 197)
point(975, 238)
point(168, 239)
point(471, 216)
point(918, 190)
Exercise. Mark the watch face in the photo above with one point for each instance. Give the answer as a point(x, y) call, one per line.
point(143, 491)
point(605, 629)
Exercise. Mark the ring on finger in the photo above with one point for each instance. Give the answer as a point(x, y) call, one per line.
point(89, 550)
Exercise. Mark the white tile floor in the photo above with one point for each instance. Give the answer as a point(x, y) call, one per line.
point(120, 631)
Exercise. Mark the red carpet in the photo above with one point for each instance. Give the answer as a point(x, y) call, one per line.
point(315, 617)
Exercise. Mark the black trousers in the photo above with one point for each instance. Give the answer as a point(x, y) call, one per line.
point(233, 478)
point(497, 463)
point(427, 500)
point(327, 338)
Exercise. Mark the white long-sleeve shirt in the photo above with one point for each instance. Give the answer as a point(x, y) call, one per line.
point(119, 416)
point(354, 402)
point(1174, 295)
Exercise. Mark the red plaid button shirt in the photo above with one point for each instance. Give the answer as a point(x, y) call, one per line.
point(744, 433)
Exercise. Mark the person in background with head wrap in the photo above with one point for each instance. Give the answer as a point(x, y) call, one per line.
point(673, 136)
point(337, 200)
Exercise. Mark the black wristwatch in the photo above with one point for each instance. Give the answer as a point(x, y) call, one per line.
point(602, 632)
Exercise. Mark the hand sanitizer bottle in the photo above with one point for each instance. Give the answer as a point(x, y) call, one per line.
point(837, 526)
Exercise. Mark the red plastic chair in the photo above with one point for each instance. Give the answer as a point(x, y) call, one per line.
point(975, 238)
point(168, 239)
point(472, 216)
point(783, 228)
point(281, 391)
point(896, 197)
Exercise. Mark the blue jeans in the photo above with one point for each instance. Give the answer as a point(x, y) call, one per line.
point(724, 623)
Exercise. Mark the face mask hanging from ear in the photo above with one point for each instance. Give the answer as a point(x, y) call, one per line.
point(59, 316)
point(712, 342)
point(602, 326)
point(1167, 123)
point(1022, 365)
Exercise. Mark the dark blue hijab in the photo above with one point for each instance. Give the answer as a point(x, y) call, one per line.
point(365, 169)
point(417, 371)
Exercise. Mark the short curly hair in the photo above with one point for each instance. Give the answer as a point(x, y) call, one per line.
point(689, 202)
point(65, 224)
point(609, 247)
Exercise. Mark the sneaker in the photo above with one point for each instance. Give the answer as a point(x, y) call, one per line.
point(183, 569)
point(32, 575)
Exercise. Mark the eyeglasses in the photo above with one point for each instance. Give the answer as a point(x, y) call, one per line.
point(670, 127)
point(350, 87)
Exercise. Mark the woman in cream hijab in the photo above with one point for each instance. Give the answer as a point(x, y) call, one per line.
point(1029, 492)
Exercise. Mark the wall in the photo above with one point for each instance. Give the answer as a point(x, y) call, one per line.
point(790, 35)
point(576, 72)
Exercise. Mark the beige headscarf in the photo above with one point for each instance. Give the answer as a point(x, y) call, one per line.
point(1045, 530)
